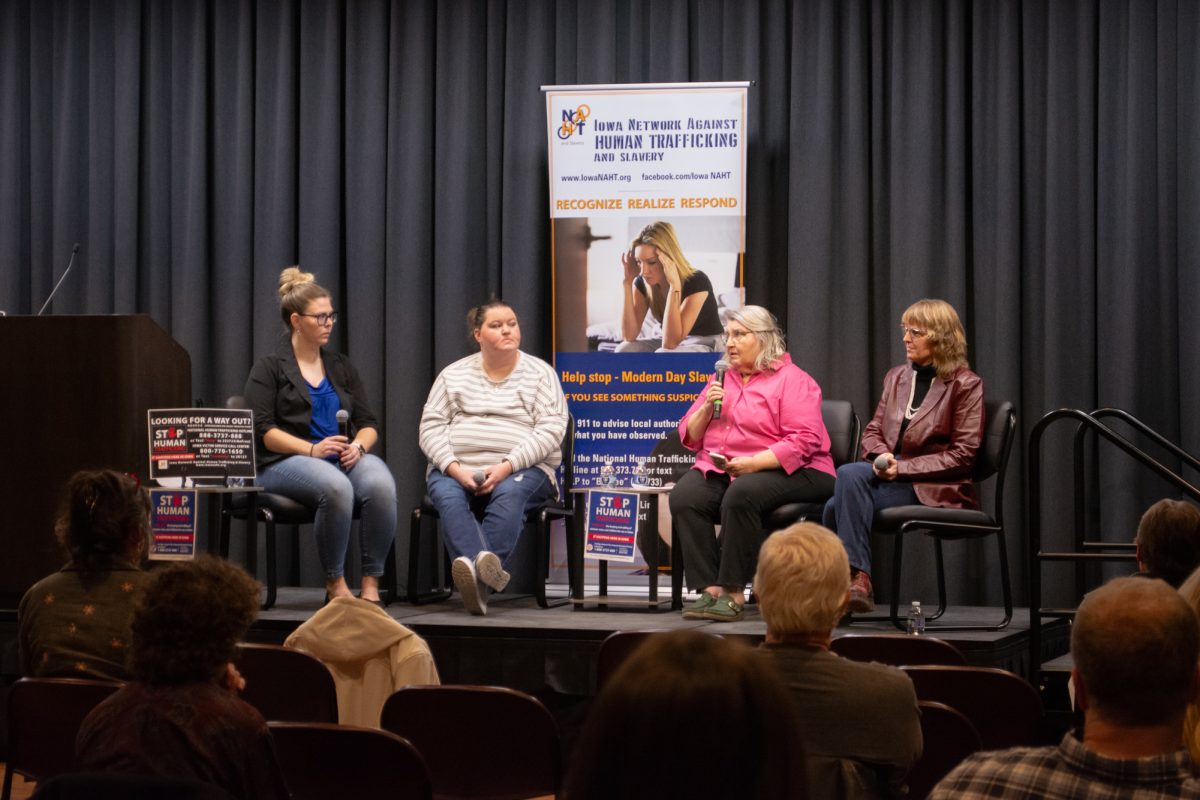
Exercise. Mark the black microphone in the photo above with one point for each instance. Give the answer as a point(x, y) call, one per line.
point(479, 477)
point(74, 250)
point(343, 419)
point(722, 368)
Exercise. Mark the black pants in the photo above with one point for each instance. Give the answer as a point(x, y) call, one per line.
point(698, 502)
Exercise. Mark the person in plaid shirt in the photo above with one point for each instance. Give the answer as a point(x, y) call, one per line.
point(1135, 643)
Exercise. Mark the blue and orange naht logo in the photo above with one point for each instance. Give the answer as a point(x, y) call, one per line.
point(573, 121)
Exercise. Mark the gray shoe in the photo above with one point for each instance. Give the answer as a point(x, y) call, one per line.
point(473, 591)
point(696, 608)
point(487, 566)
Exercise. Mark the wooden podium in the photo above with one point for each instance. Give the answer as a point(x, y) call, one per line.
point(75, 394)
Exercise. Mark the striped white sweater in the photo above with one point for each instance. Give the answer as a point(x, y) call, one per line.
point(477, 422)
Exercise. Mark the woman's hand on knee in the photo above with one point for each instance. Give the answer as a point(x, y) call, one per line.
point(494, 475)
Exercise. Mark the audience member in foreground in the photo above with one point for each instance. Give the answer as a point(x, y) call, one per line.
point(1135, 644)
point(492, 430)
point(75, 623)
point(767, 446)
point(1168, 541)
point(181, 717)
point(926, 429)
point(690, 715)
point(860, 722)
point(1190, 591)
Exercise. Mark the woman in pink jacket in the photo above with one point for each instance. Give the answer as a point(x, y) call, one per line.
point(766, 447)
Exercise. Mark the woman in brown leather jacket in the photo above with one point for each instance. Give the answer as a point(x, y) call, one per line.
point(920, 446)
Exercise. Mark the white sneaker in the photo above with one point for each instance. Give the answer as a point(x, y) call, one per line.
point(473, 591)
point(487, 566)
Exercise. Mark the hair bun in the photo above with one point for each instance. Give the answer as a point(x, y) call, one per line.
point(291, 279)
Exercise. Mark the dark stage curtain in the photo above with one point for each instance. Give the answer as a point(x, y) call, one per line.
point(1035, 163)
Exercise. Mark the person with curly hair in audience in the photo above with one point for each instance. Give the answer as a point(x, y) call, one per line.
point(181, 716)
point(75, 623)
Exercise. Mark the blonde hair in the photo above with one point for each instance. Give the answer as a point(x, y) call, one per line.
point(943, 333)
point(765, 327)
point(296, 290)
point(803, 580)
point(661, 236)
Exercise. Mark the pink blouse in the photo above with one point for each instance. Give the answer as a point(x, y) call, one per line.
point(778, 410)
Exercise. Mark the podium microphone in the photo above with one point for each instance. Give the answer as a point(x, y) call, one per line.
point(722, 367)
point(74, 250)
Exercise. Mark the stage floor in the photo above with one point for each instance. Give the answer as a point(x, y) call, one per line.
point(533, 649)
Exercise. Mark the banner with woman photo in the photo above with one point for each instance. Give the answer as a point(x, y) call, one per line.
point(647, 210)
point(647, 207)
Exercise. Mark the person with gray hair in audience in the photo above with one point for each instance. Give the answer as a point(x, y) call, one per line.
point(860, 721)
point(1135, 644)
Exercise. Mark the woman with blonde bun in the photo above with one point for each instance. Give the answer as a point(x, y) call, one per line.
point(296, 394)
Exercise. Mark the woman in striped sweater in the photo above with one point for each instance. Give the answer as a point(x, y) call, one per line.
point(491, 429)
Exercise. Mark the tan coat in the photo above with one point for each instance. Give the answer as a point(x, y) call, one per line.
point(370, 655)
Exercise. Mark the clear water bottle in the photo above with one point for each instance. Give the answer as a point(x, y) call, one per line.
point(641, 473)
point(608, 475)
point(916, 619)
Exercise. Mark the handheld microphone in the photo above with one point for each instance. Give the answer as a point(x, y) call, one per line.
point(74, 250)
point(343, 421)
point(881, 462)
point(479, 477)
point(722, 367)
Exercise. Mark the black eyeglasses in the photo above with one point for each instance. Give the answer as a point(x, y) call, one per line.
point(324, 318)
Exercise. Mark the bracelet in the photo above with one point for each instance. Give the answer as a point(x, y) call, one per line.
point(310, 449)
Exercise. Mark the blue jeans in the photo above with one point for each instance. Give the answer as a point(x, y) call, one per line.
point(472, 523)
point(335, 495)
point(857, 495)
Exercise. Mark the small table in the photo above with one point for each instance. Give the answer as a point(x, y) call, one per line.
point(575, 552)
point(217, 546)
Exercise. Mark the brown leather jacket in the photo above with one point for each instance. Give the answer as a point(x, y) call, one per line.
point(938, 451)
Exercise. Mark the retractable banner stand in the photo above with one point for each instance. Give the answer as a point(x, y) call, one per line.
point(630, 165)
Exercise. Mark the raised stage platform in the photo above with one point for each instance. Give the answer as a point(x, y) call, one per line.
point(538, 650)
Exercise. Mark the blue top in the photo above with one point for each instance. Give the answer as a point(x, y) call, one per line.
point(325, 405)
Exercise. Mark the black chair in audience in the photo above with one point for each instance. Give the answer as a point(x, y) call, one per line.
point(287, 685)
point(321, 761)
point(479, 741)
point(540, 518)
point(44, 715)
point(845, 433)
point(273, 510)
point(948, 737)
point(1003, 707)
point(1000, 428)
point(897, 649)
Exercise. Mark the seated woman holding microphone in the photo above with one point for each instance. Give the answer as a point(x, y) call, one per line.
point(492, 430)
point(303, 396)
point(660, 281)
point(920, 446)
point(760, 441)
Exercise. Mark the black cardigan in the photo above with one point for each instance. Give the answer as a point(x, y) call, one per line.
point(279, 397)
